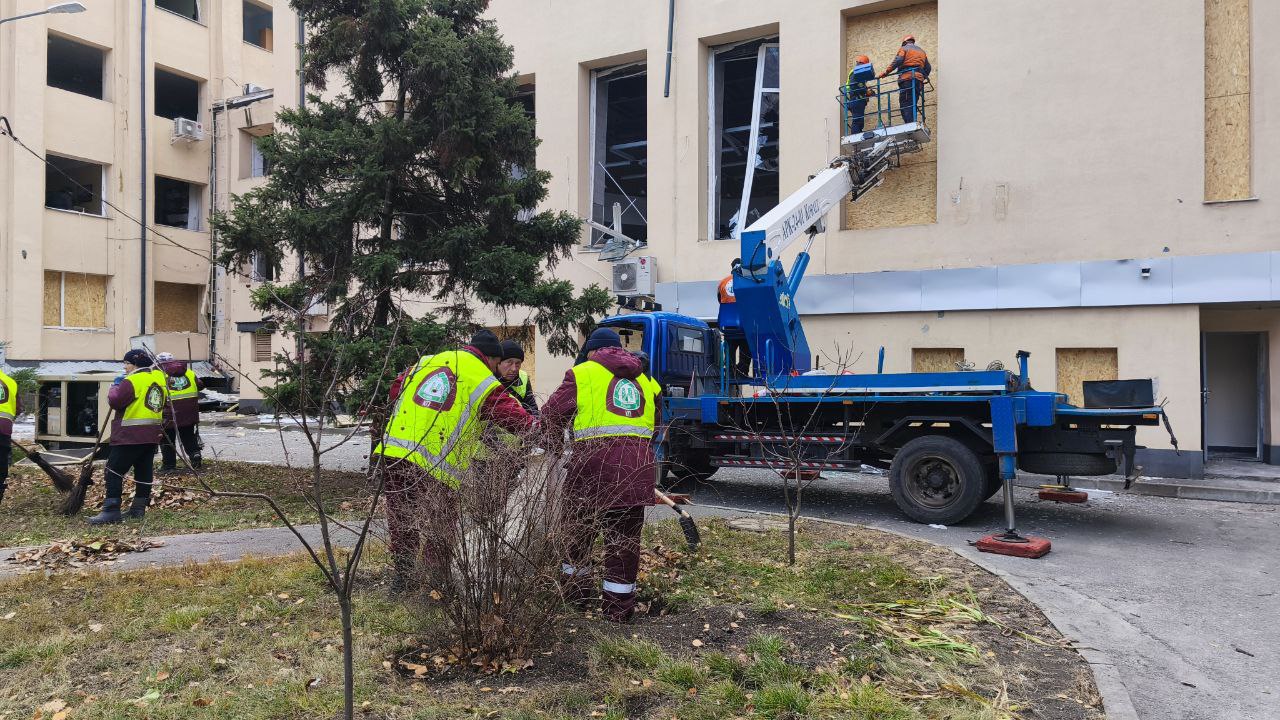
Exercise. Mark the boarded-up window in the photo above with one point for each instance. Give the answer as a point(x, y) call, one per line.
point(261, 349)
point(1075, 365)
point(1227, 149)
point(75, 300)
point(522, 334)
point(909, 195)
point(177, 307)
point(936, 359)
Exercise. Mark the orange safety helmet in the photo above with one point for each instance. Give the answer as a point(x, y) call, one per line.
point(908, 39)
point(861, 60)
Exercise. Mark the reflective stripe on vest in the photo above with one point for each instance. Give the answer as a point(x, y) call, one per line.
point(441, 396)
point(610, 406)
point(149, 398)
point(188, 389)
point(8, 397)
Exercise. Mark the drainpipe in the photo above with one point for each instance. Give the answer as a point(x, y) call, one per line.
point(142, 284)
point(213, 236)
point(671, 26)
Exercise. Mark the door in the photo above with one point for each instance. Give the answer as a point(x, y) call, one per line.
point(1234, 401)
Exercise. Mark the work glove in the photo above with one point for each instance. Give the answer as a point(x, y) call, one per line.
point(119, 379)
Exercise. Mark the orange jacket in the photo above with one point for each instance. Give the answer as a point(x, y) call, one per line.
point(912, 62)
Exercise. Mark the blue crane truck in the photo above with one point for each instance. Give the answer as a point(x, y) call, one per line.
point(949, 440)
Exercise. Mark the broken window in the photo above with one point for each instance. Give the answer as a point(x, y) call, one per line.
point(263, 270)
point(189, 9)
point(253, 164)
point(619, 150)
point(176, 96)
point(75, 67)
point(743, 111)
point(177, 307)
point(178, 203)
point(525, 96)
point(74, 300)
point(74, 185)
point(257, 25)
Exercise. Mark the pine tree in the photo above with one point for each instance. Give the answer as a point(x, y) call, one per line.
point(412, 178)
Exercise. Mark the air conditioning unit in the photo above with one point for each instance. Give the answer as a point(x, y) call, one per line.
point(186, 130)
point(634, 276)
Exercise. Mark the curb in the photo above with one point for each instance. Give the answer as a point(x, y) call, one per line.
point(1239, 491)
point(1116, 701)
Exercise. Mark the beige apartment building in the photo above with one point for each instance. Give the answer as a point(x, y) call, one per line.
point(143, 110)
point(1099, 190)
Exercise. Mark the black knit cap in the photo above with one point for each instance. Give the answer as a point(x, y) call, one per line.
point(138, 358)
point(511, 349)
point(487, 343)
point(603, 338)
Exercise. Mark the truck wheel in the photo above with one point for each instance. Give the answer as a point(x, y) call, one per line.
point(994, 483)
point(1054, 463)
point(695, 468)
point(937, 480)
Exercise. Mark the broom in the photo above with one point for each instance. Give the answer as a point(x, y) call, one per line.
point(61, 480)
point(74, 501)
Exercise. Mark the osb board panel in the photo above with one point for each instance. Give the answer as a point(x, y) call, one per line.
point(1227, 148)
point(909, 194)
point(935, 359)
point(522, 334)
point(52, 299)
point(177, 307)
point(86, 300)
point(1075, 365)
point(1226, 47)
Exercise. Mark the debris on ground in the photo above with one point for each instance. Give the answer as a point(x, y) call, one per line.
point(71, 554)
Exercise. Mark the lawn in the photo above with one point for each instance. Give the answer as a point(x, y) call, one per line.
point(866, 625)
point(31, 515)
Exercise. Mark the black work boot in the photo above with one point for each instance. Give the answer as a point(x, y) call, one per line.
point(195, 461)
point(2, 487)
point(110, 513)
point(137, 508)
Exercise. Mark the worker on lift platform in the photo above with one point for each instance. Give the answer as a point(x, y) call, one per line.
point(739, 352)
point(912, 65)
point(856, 93)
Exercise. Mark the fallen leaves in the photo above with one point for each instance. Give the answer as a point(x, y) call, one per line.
point(71, 554)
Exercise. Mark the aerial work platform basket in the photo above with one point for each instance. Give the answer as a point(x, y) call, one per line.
point(883, 116)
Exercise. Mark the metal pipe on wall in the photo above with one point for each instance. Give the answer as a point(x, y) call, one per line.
point(671, 26)
point(142, 77)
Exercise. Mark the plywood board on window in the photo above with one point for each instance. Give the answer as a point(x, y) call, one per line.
point(1075, 365)
point(177, 307)
point(1226, 47)
point(85, 299)
point(52, 299)
point(909, 195)
point(936, 359)
point(1227, 148)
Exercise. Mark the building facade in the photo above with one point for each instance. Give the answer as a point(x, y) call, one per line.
point(1096, 192)
point(133, 111)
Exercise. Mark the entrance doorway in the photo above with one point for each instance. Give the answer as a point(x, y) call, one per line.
point(1234, 391)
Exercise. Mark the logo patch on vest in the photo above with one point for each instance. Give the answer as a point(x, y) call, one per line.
point(179, 383)
point(625, 398)
point(437, 390)
point(4, 393)
point(154, 399)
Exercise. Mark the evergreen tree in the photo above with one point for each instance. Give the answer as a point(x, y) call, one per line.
point(414, 178)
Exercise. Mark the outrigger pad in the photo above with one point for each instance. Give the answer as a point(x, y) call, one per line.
point(1064, 496)
point(1027, 547)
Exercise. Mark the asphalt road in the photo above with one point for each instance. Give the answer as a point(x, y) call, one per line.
point(1183, 596)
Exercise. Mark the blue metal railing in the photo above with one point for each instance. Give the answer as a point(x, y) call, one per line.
point(885, 103)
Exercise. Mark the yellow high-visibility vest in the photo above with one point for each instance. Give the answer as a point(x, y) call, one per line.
point(149, 398)
point(8, 397)
point(183, 388)
point(436, 422)
point(610, 406)
point(521, 386)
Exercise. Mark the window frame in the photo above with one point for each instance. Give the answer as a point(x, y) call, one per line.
point(102, 193)
point(62, 304)
point(615, 72)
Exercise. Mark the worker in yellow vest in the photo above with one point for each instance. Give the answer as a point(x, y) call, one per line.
point(440, 409)
point(8, 411)
point(610, 408)
point(138, 398)
point(514, 378)
point(181, 415)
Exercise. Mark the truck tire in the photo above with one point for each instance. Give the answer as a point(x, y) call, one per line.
point(690, 467)
point(1056, 463)
point(937, 480)
point(994, 483)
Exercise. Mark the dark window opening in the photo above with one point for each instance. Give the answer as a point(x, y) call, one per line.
point(620, 153)
point(189, 9)
point(745, 82)
point(263, 270)
point(177, 203)
point(75, 67)
point(176, 96)
point(526, 96)
point(257, 25)
point(73, 185)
